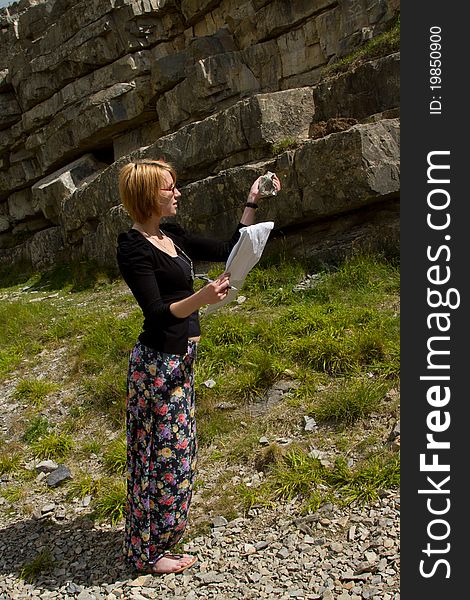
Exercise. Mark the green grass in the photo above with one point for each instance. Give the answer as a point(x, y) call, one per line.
point(345, 326)
point(111, 501)
point(115, 456)
point(383, 44)
point(339, 340)
point(73, 276)
point(350, 401)
point(41, 564)
point(53, 445)
point(283, 145)
point(83, 484)
point(38, 427)
point(34, 391)
point(20, 332)
point(13, 493)
point(300, 476)
point(9, 461)
point(91, 447)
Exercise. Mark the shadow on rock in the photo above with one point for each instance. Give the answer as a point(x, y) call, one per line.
point(81, 552)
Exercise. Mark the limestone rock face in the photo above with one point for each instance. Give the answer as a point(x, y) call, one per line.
point(224, 90)
point(365, 156)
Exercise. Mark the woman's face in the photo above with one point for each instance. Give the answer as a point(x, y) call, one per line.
point(169, 196)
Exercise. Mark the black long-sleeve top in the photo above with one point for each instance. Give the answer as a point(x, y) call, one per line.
point(157, 280)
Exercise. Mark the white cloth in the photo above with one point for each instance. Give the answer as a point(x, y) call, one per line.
point(244, 256)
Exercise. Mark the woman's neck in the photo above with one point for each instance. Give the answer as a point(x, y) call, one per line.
point(151, 227)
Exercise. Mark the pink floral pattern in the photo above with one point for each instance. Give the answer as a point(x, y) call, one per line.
point(161, 451)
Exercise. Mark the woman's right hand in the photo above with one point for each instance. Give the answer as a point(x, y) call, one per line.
point(211, 293)
point(217, 290)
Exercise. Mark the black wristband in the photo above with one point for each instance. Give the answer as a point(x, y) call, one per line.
point(251, 205)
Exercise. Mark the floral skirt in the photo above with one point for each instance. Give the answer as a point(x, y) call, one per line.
point(161, 451)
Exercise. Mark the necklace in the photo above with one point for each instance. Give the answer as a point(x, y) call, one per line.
point(168, 245)
point(164, 241)
point(185, 257)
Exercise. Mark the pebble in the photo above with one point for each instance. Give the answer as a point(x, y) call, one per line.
point(58, 476)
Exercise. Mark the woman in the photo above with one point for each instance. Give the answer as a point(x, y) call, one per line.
point(155, 260)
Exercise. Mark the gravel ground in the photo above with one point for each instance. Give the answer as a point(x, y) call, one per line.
point(335, 553)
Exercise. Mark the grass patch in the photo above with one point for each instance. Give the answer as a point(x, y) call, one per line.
point(341, 327)
point(73, 276)
point(42, 563)
point(83, 484)
point(283, 145)
point(106, 392)
point(102, 360)
point(37, 428)
point(350, 401)
point(9, 462)
point(363, 484)
point(9, 360)
point(339, 339)
point(382, 44)
point(213, 424)
point(269, 456)
point(34, 391)
point(20, 332)
point(115, 456)
point(13, 493)
point(107, 341)
point(303, 477)
point(20, 275)
point(255, 497)
point(91, 447)
point(52, 446)
point(110, 504)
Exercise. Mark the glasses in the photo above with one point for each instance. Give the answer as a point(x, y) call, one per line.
point(170, 189)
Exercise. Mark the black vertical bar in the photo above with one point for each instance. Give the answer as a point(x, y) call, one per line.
point(434, 315)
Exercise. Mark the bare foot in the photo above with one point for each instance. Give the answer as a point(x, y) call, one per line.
point(173, 563)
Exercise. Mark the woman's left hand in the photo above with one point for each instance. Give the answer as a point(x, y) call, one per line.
point(277, 183)
point(254, 194)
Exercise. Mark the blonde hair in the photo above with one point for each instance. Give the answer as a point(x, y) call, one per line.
point(139, 187)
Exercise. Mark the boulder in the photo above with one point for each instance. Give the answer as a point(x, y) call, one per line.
point(36, 77)
point(125, 69)
point(213, 86)
point(211, 80)
point(231, 135)
point(195, 9)
point(140, 137)
point(46, 247)
point(367, 157)
point(18, 174)
point(82, 210)
point(169, 69)
point(278, 16)
point(101, 115)
point(20, 205)
point(220, 80)
point(369, 88)
point(4, 223)
point(342, 28)
point(10, 111)
point(300, 52)
point(375, 227)
point(49, 194)
point(256, 122)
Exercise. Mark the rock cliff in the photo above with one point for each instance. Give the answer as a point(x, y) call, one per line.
point(223, 89)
